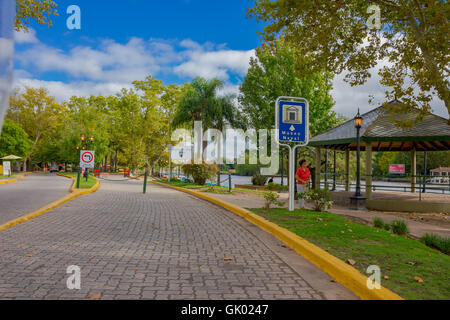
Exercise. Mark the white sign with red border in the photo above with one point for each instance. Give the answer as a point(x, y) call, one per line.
point(87, 159)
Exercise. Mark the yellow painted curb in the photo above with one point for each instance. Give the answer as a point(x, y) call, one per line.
point(8, 181)
point(50, 206)
point(16, 179)
point(342, 272)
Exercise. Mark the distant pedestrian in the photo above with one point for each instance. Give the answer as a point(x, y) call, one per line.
point(86, 174)
point(303, 176)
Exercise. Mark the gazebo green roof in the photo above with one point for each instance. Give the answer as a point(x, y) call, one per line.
point(431, 134)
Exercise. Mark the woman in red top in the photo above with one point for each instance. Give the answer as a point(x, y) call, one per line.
point(303, 176)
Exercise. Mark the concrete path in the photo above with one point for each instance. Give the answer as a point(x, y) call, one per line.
point(162, 245)
point(417, 224)
point(31, 193)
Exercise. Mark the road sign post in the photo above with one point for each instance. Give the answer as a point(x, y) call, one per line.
point(145, 181)
point(292, 131)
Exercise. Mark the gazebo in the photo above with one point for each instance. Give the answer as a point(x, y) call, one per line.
point(379, 133)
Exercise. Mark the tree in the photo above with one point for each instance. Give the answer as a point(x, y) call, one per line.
point(14, 140)
point(38, 114)
point(272, 74)
point(200, 102)
point(38, 10)
point(335, 36)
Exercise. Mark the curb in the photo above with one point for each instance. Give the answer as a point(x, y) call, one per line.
point(342, 272)
point(50, 206)
point(16, 179)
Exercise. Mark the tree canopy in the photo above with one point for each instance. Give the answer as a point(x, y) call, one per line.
point(34, 10)
point(272, 74)
point(335, 36)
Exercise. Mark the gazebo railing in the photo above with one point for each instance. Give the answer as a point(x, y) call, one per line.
point(422, 185)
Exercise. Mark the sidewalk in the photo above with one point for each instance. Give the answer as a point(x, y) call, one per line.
point(418, 224)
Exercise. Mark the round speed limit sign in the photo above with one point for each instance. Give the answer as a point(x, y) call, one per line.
point(87, 159)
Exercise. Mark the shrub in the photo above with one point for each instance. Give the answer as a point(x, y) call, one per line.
point(200, 172)
point(321, 199)
point(275, 187)
point(258, 179)
point(399, 227)
point(378, 223)
point(436, 242)
point(387, 227)
point(272, 198)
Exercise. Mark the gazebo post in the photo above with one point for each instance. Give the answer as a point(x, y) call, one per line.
point(413, 169)
point(317, 171)
point(368, 170)
point(347, 169)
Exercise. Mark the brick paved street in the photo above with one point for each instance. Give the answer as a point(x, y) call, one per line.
point(31, 193)
point(162, 245)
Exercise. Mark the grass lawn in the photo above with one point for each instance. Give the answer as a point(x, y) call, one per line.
point(205, 188)
point(83, 184)
point(400, 259)
point(13, 176)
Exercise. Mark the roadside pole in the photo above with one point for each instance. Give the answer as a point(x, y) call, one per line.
point(78, 177)
point(292, 127)
point(145, 181)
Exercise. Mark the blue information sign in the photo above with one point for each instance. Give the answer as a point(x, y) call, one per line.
point(292, 121)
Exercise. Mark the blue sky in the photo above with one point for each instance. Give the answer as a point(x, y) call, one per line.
point(175, 41)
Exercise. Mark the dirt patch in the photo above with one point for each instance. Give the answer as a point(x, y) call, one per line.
point(356, 219)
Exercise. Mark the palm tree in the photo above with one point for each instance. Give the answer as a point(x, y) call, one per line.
point(201, 103)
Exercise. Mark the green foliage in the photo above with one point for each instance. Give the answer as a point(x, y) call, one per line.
point(276, 187)
point(258, 179)
point(199, 102)
point(335, 36)
point(271, 198)
point(14, 140)
point(246, 169)
point(320, 198)
point(271, 75)
point(38, 10)
point(399, 227)
point(378, 223)
point(200, 172)
point(437, 242)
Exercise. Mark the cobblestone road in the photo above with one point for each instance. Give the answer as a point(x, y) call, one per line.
point(31, 193)
point(162, 245)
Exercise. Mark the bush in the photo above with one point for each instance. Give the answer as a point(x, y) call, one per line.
point(321, 199)
point(272, 198)
point(399, 227)
point(200, 172)
point(258, 179)
point(378, 223)
point(436, 242)
point(276, 187)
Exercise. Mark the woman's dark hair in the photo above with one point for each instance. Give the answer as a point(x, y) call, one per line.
point(301, 162)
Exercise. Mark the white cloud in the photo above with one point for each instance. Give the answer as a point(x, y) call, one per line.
point(63, 91)
point(25, 37)
point(215, 64)
point(109, 65)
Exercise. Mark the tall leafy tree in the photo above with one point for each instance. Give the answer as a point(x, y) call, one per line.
point(14, 140)
point(272, 74)
point(38, 114)
point(336, 35)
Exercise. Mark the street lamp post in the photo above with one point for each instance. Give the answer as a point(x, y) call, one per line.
point(358, 201)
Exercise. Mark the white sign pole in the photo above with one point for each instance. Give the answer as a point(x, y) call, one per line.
point(292, 150)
